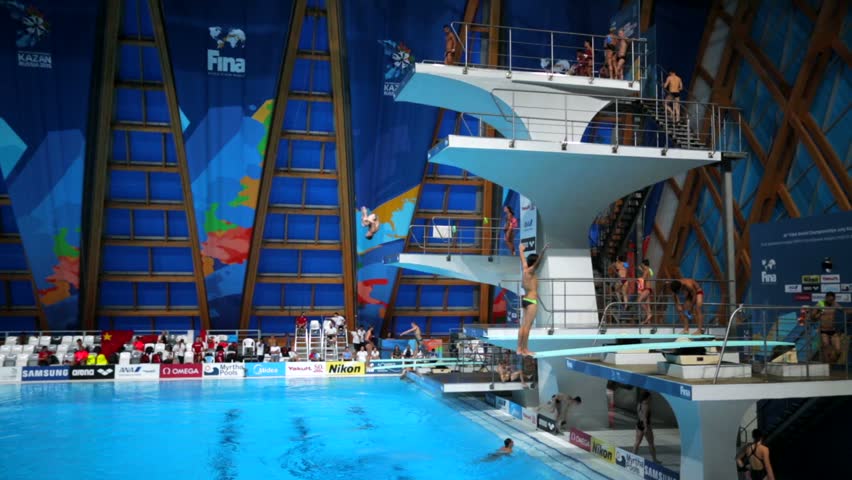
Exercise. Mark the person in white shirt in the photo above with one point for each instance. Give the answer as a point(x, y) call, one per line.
point(357, 339)
point(361, 356)
point(338, 320)
point(294, 357)
point(375, 355)
point(180, 351)
point(275, 352)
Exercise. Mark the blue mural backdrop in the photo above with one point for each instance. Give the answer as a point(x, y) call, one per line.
point(389, 139)
point(46, 57)
point(226, 61)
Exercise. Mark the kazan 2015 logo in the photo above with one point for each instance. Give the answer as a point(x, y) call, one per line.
point(33, 28)
point(226, 59)
point(398, 61)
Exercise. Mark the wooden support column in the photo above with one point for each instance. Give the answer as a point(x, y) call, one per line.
point(345, 169)
point(158, 22)
point(269, 159)
point(100, 167)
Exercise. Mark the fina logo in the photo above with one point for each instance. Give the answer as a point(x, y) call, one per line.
point(768, 266)
point(225, 65)
point(685, 392)
point(33, 28)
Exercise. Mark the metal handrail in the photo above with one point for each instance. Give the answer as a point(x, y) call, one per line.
point(640, 56)
point(742, 307)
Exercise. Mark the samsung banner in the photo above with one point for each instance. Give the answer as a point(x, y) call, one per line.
point(798, 261)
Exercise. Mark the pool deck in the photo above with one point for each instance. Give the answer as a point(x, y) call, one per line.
point(468, 382)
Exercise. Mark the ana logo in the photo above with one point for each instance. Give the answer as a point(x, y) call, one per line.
point(223, 60)
point(33, 28)
point(398, 61)
point(768, 266)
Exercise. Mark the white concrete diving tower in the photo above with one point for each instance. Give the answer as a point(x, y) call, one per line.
point(569, 168)
point(491, 270)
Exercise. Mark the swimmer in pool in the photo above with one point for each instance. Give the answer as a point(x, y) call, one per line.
point(371, 221)
point(506, 449)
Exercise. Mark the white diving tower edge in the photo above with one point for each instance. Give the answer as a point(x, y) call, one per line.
point(546, 156)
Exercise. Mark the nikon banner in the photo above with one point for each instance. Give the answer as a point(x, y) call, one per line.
point(336, 369)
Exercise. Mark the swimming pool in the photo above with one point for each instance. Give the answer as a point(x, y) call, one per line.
point(370, 428)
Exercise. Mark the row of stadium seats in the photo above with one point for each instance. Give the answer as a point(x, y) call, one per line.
point(46, 340)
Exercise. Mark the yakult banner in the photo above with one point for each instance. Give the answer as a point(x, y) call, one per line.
point(267, 369)
point(144, 371)
point(305, 369)
point(529, 223)
point(213, 371)
point(180, 370)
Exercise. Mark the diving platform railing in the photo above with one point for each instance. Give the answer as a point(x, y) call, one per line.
point(552, 52)
point(612, 120)
point(458, 234)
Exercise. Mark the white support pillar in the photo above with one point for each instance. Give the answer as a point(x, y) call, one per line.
point(708, 436)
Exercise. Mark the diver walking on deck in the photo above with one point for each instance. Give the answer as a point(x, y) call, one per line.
point(529, 301)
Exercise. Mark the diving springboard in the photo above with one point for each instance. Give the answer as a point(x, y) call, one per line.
point(609, 336)
point(658, 346)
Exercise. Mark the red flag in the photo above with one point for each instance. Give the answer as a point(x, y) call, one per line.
point(113, 340)
point(151, 338)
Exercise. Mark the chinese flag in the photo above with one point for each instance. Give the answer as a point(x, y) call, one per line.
point(113, 340)
point(150, 338)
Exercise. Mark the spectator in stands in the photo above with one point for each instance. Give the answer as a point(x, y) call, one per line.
point(673, 86)
point(80, 345)
point(371, 221)
point(168, 354)
point(362, 336)
point(100, 358)
point(407, 353)
point(314, 356)
point(609, 53)
point(81, 355)
point(643, 425)
point(397, 353)
point(301, 323)
point(232, 352)
point(44, 357)
point(211, 342)
point(509, 228)
point(329, 329)
point(197, 350)
point(164, 338)
point(146, 355)
point(347, 354)
point(339, 321)
point(274, 351)
point(451, 44)
point(754, 458)
point(180, 350)
point(375, 354)
point(138, 344)
point(362, 355)
point(693, 303)
point(157, 357)
point(293, 355)
point(621, 54)
point(220, 354)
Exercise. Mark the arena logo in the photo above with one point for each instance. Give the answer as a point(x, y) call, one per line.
point(33, 28)
point(545, 423)
point(225, 65)
point(765, 275)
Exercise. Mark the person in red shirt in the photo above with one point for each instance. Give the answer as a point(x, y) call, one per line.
point(197, 348)
point(301, 322)
point(80, 356)
point(211, 342)
point(220, 355)
point(139, 344)
point(44, 357)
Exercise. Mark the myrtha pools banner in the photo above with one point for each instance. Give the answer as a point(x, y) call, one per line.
point(226, 58)
point(46, 54)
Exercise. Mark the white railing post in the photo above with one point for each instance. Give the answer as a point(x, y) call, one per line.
point(510, 54)
point(552, 60)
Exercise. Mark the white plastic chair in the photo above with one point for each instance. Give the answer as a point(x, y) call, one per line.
point(32, 360)
point(181, 337)
point(32, 340)
point(5, 349)
point(160, 348)
point(28, 349)
point(10, 360)
point(44, 341)
point(67, 340)
point(89, 340)
point(248, 346)
point(16, 349)
point(145, 348)
point(135, 356)
point(22, 360)
point(69, 359)
point(11, 341)
point(188, 357)
point(2, 359)
point(61, 350)
point(124, 358)
point(315, 326)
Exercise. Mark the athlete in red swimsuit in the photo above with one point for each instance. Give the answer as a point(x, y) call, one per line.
point(693, 302)
point(646, 289)
point(509, 228)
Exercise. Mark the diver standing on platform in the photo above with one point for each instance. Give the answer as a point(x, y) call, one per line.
point(693, 303)
point(529, 301)
point(646, 289)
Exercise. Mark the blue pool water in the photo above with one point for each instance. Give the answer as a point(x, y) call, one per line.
point(370, 428)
